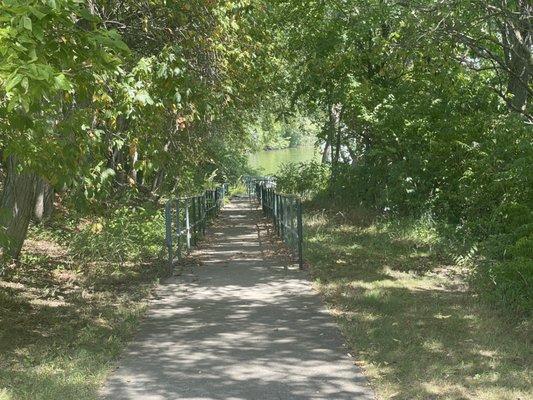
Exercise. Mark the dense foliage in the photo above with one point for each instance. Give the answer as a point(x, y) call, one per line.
point(427, 111)
point(99, 98)
point(270, 132)
point(422, 107)
point(305, 179)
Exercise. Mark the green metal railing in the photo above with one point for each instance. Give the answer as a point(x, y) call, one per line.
point(252, 181)
point(285, 211)
point(186, 220)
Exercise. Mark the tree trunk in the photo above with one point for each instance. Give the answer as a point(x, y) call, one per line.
point(158, 181)
point(17, 203)
point(517, 37)
point(325, 153)
point(338, 143)
point(44, 200)
point(134, 157)
point(353, 155)
point(335, 139)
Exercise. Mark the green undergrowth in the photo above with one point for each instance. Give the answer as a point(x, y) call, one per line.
point(237, 188)
point(406, 304)
point(75, 299)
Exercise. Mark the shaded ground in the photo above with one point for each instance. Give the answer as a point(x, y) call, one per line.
point(408, 314)
point(63, 320)
point(240, 325)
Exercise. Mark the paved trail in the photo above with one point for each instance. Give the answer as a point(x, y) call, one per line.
point(239, 326)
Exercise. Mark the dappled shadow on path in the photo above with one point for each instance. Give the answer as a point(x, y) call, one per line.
point(237, 328)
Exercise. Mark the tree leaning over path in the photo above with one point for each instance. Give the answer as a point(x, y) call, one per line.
point(52, 53)
point(101, 97)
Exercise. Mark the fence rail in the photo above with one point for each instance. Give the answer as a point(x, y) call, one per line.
point(186, 219)
point(285, 211)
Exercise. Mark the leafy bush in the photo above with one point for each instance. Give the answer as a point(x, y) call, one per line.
point(304, 179)
point(238, 188)
point(471, 170)
point(510, 283)
point(126, 233)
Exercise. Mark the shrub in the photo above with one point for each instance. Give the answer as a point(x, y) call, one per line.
point(510, 283)
point(304, 179)
point(238, 188)
point(126, 233)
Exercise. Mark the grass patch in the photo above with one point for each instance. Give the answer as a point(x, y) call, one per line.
point(72, 303)
point(406, 309)
point(238, 188)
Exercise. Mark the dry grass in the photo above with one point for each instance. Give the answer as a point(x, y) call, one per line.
point(409, 316)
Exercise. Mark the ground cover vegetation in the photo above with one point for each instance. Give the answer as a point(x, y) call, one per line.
point(408, 312)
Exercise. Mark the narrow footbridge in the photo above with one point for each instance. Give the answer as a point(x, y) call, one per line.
point(239, 322)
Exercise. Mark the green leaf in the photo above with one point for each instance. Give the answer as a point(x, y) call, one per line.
point(12, 104)
point(107, 174)
point(62, 82)
point(143, 97)
point(33, 54)
point(13, 82)
point(25, 83)
point(26, 22)
point(86, 14)
point(37, 13)
point(25, 103)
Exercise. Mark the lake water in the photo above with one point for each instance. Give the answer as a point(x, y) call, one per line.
point(267, 162)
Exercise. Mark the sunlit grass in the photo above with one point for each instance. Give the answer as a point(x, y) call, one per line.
point(65, 316)
point(407, 311)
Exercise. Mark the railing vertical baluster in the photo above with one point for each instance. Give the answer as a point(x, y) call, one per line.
point(191, 217)
point(178, 229)
point(300, 235)
point(284, 211)
point(291, 222)
point(282, 198)
point(286, 217)
point(194, 221)
point(204, 213)
point(188, 224)
point(168, 231)
point(280, 215)
point(274, 212)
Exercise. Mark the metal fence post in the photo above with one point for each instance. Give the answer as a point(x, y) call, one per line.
point(300, 235)
point(286, 213)
point(187, 224)
point(178, 229)
point(194, 225)
point(204, 213)
point(168, 231)
point(275, 213)
point(282, 225)
point(291, 221)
